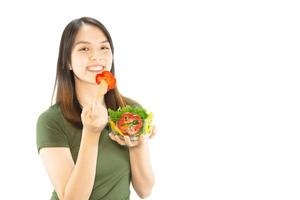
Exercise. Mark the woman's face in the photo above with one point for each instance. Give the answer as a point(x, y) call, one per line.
point(91, 54)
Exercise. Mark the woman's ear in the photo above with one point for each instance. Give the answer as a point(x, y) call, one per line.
point(70, 67)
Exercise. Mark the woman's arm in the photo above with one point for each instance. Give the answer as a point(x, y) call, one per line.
point(141, 171)
point(72, 181)
point(81, 181)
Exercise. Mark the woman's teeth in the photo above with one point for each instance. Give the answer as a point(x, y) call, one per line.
point(95, 68)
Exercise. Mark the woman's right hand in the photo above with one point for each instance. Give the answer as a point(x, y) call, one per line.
point(94, 117)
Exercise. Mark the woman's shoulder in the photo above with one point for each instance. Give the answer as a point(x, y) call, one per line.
point(51, 113)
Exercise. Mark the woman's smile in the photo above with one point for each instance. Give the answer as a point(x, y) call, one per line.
point(95, 68)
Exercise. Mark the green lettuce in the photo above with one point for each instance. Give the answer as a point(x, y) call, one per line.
point(137, 110)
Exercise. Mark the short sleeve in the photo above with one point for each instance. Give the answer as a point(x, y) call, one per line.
point(49, 131)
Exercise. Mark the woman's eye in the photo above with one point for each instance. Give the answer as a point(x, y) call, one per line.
point(83, 49)
point(104, 48)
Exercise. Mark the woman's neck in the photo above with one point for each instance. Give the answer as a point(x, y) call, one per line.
point(87, 93)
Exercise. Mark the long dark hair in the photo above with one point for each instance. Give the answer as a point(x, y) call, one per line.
point(64, 81)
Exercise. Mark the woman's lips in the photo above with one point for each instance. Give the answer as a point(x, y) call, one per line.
point(95, 68)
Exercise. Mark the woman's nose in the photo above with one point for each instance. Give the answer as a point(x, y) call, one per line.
point(95, 55)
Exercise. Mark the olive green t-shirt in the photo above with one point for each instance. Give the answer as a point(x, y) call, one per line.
point(112, 179)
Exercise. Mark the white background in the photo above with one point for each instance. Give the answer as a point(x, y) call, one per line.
point(221, 77)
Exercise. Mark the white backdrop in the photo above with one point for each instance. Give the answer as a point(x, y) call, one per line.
point(221, 77)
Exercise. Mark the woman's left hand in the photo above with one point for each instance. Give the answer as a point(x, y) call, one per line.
point(128, 142)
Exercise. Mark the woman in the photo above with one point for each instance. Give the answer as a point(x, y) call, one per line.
point(82, 158)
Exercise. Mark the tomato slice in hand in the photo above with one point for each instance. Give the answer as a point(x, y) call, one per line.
point(108, 77)
point(129, 123)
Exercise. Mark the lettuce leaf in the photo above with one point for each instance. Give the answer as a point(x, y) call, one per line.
point(137, 110)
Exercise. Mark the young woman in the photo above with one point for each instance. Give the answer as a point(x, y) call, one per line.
point(82, 158)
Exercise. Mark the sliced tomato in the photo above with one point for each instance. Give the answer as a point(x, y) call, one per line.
point(129, 123)
point(108, 77)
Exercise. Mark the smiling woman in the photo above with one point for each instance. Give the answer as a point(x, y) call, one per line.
point(91, 50)
point(82, 159)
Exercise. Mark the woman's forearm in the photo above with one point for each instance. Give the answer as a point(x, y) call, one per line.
point(81, 181)
point(141, 170)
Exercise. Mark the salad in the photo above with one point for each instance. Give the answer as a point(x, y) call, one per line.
point(132, 121)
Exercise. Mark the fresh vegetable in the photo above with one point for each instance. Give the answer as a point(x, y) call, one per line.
point(137, 110)
point(131, 121)
point(108, 77)
point(130, 124)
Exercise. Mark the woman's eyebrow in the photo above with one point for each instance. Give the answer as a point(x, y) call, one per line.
point(86, 42)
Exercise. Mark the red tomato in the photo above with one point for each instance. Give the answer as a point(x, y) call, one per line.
point(108, 77)
point(129, 123)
